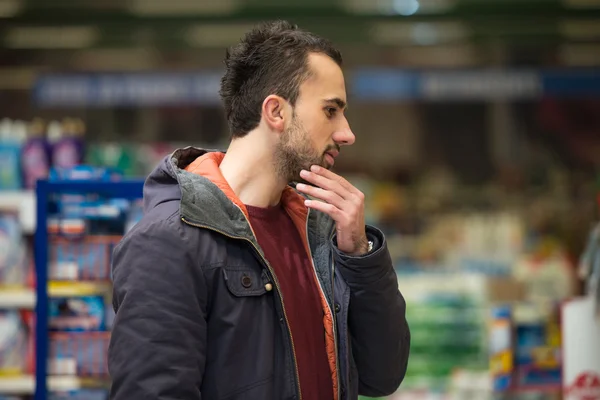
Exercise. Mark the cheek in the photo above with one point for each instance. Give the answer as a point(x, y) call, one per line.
point(319, 139)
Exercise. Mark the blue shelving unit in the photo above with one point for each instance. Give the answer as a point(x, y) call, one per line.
point(130, 190)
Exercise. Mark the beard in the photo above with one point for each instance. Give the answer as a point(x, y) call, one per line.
point(295, 152)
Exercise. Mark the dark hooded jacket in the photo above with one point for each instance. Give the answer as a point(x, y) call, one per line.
point(199, 314)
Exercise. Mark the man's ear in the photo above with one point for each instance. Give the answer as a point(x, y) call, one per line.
point(273, 112)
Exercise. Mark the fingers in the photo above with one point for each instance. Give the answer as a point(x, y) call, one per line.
point(325, 183)
point(328, 196)
point(328, 180)
point(335, 213)
point(317, 169)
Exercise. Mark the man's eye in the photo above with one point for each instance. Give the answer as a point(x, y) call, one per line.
point(331, 111)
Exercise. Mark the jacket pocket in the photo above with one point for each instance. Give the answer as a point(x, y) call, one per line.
point(243, 282)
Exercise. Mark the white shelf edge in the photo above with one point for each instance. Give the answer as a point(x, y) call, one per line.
point(63, 383)
point(24, 203)
point(17, 298)
point(25, 384)
point(17, 385)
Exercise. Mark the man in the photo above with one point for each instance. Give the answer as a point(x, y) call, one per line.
point(237, 286)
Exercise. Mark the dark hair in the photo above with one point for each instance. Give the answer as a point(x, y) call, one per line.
point(270, 59)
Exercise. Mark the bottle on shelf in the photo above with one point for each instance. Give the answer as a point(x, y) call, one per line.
point(11, 143)
point(67, 144)
point(35, 155)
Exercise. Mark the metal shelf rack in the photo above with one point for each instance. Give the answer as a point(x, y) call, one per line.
point(130, 190)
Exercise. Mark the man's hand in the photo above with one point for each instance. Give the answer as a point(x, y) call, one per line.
point(344, 203)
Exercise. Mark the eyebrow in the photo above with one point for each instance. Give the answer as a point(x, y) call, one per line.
point(337, 101)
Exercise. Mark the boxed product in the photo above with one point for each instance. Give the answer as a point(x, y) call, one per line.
point(77, 314)
point(119, 156)
point(13, 251)
point(501, 348)
point(81, 259)
point(11, 142)
point(79, 353)
point(538, 360)
point(14, 342)
point(525, 348)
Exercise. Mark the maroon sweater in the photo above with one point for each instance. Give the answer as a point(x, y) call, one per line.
point(285, 251)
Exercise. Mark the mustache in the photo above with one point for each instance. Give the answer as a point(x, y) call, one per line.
point(333, 147)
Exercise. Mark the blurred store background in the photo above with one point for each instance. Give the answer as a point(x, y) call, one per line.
point(478, 146)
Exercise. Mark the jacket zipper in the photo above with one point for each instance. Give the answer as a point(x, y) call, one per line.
point(287, 323)
point(333, 290)
point(335, 344)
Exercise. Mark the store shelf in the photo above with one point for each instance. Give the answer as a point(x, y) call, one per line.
point(23, 298)
point(22, 385)
point(17, 298)
point(66, 383)
point(83, 261)
point(23, 202)
point(74, 289)
point(17, 385)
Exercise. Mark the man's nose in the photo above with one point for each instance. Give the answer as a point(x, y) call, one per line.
point(344, 135)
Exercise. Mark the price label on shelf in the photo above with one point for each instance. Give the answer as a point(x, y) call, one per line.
point(63, 366)
point(64, 271)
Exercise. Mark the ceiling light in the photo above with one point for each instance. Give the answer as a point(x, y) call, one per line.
point(405, 7)
point(402, 7)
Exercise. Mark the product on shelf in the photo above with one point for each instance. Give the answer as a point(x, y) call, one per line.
point(77, 314)
point(547, 273)
point(13, 252)
point(79, 353)
point(81, 259)
point(36, 155)
point(447, 325)
point(66, 141)
point(74, 214)
point(122, 157)
point(501, 346)
point(525, 349)
point(14, 342)
point(11, 143)
point(28, 150)
point(538, 359)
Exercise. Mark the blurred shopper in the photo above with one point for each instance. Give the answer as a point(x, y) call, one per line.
point(234, 285)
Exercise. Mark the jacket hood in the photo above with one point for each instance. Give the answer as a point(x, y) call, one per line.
point(201, 202)
point(162, 185)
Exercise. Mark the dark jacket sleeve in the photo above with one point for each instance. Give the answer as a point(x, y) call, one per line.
point(158, 344)
point(377, 321)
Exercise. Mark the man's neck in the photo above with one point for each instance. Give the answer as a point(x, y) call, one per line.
point(249, 170)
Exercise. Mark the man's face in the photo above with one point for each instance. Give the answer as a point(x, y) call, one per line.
point(318, 128)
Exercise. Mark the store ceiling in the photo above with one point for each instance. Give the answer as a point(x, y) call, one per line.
point(71, 24)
